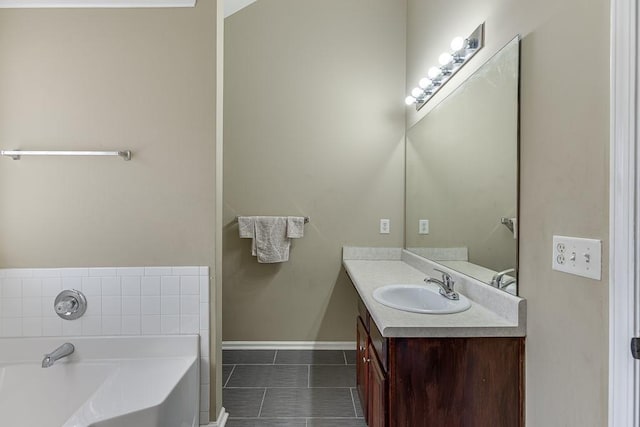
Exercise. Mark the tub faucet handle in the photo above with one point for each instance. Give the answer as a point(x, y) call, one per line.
point(66, 306)
point(70, 304)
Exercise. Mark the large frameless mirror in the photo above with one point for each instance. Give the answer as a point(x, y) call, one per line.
point(462, 176)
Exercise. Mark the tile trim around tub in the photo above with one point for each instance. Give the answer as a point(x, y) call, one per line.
point(120, 301)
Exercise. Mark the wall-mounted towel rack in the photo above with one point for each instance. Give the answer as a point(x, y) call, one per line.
point(507, 222)
point(17, 154)
point(306, 219)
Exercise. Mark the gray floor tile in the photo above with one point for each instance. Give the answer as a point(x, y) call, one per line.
point(226, 371)
point(269, 376)
point(234, 357)
point(308, 402)
point(351, 356)
point(336, 422)
point(259, 422)
point(310, 357)
point(356, 401)
point(332, 376)
point(242, 402)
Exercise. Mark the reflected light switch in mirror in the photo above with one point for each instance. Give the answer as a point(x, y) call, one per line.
point(423, 226)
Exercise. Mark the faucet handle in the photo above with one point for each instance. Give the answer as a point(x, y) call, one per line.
point(70, 304)
point(446, 277)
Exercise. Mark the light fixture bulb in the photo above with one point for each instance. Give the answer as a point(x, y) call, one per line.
point(445, 58)
point(424, 83)
point(433, 72)
point(409, 100)
point(457, 43)
point(416, 92)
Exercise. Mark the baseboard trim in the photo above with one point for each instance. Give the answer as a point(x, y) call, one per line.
point(221, 421)
point(288, 345)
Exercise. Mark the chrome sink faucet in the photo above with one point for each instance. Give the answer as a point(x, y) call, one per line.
point(496, 281)
point(63, 351)
point(446, 285)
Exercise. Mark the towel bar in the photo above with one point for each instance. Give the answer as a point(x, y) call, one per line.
point(17, 154)
point(306, 219)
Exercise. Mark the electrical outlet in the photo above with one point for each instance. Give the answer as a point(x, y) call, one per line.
point(385, 226)
point(574, 255)
point(423, 226)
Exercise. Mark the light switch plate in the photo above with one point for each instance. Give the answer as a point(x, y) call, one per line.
point(423, 226)
point(574, 255)
point(385, 225)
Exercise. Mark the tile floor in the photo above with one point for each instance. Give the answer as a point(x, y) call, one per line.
point(291, 388)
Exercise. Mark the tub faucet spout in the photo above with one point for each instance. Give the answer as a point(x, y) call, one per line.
point(63, 351)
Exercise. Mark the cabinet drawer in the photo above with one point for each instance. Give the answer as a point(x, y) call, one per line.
point(380, 344)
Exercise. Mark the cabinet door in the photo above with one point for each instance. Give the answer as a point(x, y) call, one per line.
point(362, 371)
point(377, 393)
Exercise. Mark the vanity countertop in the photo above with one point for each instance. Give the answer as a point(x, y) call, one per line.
point(493, 313)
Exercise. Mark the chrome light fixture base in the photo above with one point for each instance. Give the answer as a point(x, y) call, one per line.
point(472, 45)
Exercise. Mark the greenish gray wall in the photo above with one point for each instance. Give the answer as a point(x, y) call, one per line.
point(314, 125)
point(564, 181)
point(104, 79)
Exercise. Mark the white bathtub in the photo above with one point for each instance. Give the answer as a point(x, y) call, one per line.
point(106, 382)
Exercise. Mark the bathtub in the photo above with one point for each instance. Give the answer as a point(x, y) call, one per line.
point(106, 382)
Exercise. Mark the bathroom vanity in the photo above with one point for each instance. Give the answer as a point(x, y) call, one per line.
point(414, 369)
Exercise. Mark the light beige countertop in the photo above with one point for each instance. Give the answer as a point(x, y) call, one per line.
point(493, 313)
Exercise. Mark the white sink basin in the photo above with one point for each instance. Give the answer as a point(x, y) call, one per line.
point(419, 299)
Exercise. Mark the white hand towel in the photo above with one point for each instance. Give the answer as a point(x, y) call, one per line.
point(271, 242)
point(295, 227)
point(246, 227)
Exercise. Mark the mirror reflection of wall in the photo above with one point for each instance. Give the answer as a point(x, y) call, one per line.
point(462, 174)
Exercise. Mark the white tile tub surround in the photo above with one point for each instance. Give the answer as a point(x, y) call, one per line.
point(120, 301)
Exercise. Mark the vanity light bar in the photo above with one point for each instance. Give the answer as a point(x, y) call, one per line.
point(462, 50)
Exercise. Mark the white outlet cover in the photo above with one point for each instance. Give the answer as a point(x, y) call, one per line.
point(423, 226)
point(385, 226)
point(575, 255)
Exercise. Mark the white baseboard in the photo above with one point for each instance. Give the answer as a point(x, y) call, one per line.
point(221, 421)
point(288, 345)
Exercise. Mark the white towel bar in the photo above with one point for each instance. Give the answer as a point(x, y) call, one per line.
point(306, 219)
point(17, 154)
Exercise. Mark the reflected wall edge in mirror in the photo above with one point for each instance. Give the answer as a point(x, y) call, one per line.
point(462, 175)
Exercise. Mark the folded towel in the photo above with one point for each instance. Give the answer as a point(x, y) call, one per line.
point(295, 227)
point(246, 227)
point(271, 242)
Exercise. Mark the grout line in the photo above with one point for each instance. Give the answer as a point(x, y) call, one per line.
point(288, 386)
point(344, 354)
point(358, 420)
point(229, 378)
point(308, 376)
point(262, 403)
point(275, 355)
point(353, 401)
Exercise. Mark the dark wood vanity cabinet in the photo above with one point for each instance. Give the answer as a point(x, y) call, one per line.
point(371, 379)
point(439, 382)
